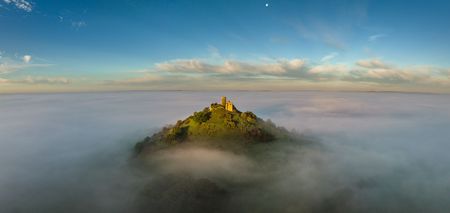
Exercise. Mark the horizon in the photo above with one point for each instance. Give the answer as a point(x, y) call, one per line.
point(202, 91)
point(94, 46)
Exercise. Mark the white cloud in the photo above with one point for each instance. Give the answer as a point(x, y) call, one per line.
point(390, 74)
point(375, 37)
point(42, 80)
point(329, 56)
point(230, 66)
point(381, 73)
point(336, 69)
point(37, 80)
point(26, 58)
point(21, 4)
point(372, 63)
point(373, 71)
point(13, 67)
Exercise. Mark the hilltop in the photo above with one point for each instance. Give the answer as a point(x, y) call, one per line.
point(204, 162)
point(216, 125)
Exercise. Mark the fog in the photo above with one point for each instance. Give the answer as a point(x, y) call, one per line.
point(371, 152)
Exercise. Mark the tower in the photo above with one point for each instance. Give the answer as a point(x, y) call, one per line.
point(224, 100)
point(229, 106)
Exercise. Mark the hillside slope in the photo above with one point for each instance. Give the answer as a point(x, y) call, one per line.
point(216, 126)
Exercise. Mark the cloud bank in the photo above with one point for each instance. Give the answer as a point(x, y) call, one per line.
point(218, 73)
point(378, 152)
point(230, 67)
point(294, 71)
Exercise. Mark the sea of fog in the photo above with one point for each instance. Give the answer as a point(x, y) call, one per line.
point(380, 152)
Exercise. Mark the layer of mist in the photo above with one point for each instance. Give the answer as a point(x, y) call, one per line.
point(373, 152)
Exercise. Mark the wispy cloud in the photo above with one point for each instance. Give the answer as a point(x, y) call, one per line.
point(78, 24)
point(21, 4)
point(375, 37)
point(372, 63)
point(37, 80)
point(42, 80)
point(330, 69)
point(375, 70)
point(229, 66)
point(214, 51)
point(9, 68)
point(12, 64)
point(319, 31)
point(329, 57)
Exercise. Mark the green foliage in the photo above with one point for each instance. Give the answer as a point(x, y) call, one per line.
point(177, 133)
point(217, 124)
point(249, 117)
point(202, 116)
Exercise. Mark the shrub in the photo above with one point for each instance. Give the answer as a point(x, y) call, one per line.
point(202, 116)
point(177, 133)
point(249, 117)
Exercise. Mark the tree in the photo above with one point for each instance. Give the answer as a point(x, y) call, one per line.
point(202, 116)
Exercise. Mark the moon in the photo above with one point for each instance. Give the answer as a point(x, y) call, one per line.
point(267, 4)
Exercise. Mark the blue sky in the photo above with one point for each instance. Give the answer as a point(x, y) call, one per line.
point(332, 45)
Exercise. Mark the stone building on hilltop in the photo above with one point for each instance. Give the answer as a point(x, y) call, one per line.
point(227, 104)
